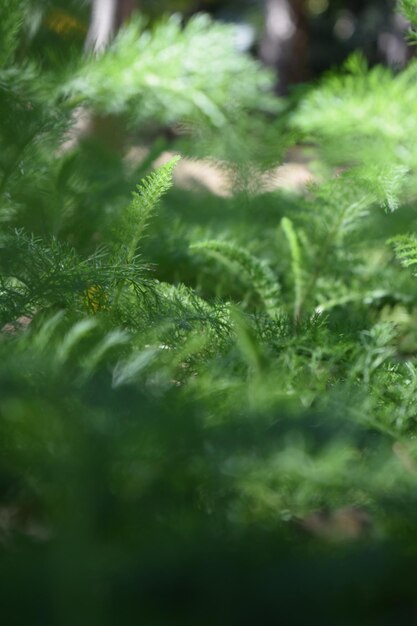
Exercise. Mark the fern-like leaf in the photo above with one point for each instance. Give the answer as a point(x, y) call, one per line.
point(405, 249)
point(262, 278)
point(35, 274)
point(165, 74)
point(144, 201)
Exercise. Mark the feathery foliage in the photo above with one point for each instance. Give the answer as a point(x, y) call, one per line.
point(259, 273)
point(173, 430)
point(166, 76)
point(144, 202)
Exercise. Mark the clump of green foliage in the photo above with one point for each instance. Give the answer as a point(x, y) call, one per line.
point(207, 405)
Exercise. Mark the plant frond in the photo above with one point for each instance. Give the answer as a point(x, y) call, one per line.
point(405, 249)
point(296, 263)
point(149, 192)
point(262, 278)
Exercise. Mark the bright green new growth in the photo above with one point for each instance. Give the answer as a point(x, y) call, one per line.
point(370, 124)
point(163, 74)
point(144, 202)
point(296, 264)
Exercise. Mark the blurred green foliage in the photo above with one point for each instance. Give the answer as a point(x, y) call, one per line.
point(207, 404)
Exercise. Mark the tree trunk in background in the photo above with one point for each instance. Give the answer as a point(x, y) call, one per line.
point(102, 25)
point(106, 18)
point(125, 8)
point(284, 43)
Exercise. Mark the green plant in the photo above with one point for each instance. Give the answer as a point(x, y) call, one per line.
point(204, 396)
